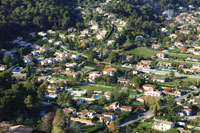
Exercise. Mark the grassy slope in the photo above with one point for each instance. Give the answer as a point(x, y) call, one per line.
point(142, 51)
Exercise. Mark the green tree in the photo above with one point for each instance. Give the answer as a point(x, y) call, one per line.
point(28, 100)
point(137, 81)
point(65, 99)
point(155, 111)
point(172, 75)
point(172, 130)
point(7, 59)
point(113, 56)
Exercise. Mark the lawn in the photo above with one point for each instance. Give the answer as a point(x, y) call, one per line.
point(95, 88)
point(182, 55)
point(87, 128)
point(176, 82)
point(143, 52)
point(146, 125)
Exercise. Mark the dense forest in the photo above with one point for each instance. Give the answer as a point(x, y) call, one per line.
point(18, 16)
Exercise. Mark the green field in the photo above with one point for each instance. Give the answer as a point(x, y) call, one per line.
point(146, 125)
point(143, 52)
point(177, 82)
point(95, 88)
point(182, 55)
point(88, 129)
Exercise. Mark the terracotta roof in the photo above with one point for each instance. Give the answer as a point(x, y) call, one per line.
point(81, 120)
point(126, 107)
point(160, 53)
point(153, 91)
point(114, 103)
point(142, 97)
point(68, 110)
point(110, 69)
point(148, 85)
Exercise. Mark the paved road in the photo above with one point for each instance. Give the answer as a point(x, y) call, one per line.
point(159, 72)
point(189, 93)
point(136, 117)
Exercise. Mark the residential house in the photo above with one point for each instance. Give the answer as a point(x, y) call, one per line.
point(107, 95)
point(51, 41)
point(52, 90)
point(76, 56)
point(153, 93)
point(71, 65)
point(182, 65)
point(110, 71)
point(114, 106)
point(141, 99)
point(101, 34)
point(22, 76)
point(106, 117)
point(186, 109)
point(94, 26)
point(58, 43)
point(165, 31)
point(185, 70)
point(93, 75)
point(69, 111)
point(156, 46)
point(162, 125)
point(42, 33)
point(86, 114)
point(125, 108)
point(129, 58)
point(144, 64)
point(44, 63)
point(196, 66)
point(71, 73)
point(178, 44)
point(17, 69)
point(125, 81)
point(147, 87)
point(161, 55)
point(173, 36)
point(51, 32)
point(139, 38)
point(160, 79)
point(167, 65)
point(3, 67)
point(27, 59)
point(111, 42)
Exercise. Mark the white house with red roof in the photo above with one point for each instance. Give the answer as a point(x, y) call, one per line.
point(153, 93)
point(93, 75)
point(161, 55)
point(110, 71)
point(114, 106)
point(125, 108)
point(141, 99)
point(147, 87)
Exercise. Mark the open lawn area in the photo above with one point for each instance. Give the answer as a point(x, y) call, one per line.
point(88, 129)
point(95, 88)
point(182, 55)
point(180, 82)
point(143, 52)
point(146, 125)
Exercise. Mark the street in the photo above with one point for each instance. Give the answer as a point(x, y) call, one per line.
point(136, 117)
point(159, 72)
